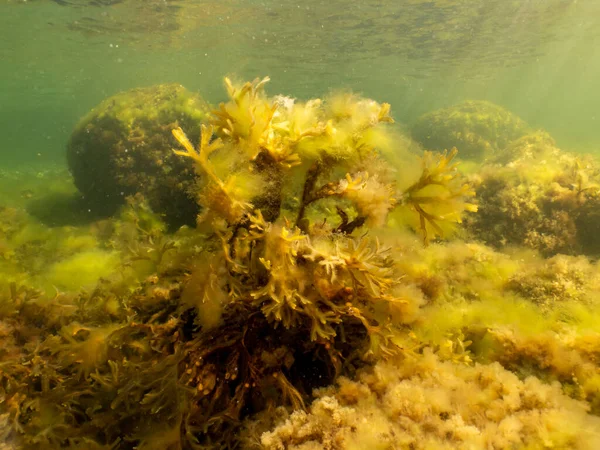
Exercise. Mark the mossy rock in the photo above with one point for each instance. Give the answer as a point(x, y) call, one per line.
point(537, 196)
point(588, 224)
point(124, 146)
point(478, 129)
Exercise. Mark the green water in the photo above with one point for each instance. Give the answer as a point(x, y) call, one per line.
point(308, 276)
point(539, 59)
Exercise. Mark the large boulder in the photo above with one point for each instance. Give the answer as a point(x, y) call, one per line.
point(478, 129)
point(124, 146)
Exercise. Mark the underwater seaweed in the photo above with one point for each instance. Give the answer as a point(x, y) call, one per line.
point(284, 285)
point(538, 196)
point(535, 316)
point(424, 403)
point(297, 277)
point(440, 195)
point(302, 278)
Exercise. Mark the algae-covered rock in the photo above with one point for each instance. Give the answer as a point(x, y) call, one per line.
point(477, 128)
point(537, 196)
point(124, 146)
point(557, 281)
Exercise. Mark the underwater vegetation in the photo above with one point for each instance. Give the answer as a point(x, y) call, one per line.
point(537, 317)
point(479, 129)
point(486, 364)
point(51, 258)
point(426, 403)
point(320, 301)
point(279, 290)
point(533, 194)
point(123, 147)
point(318, 290)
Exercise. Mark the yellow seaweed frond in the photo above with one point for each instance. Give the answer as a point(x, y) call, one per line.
point(289, 296)
point(205, 290)
point(384, 113)
point(248, 88)
point(440, 195)
point(246, 118)
point(280, 149)
point(369, 264)
point(362, 112)
point(84, 347)
point(200, 155)
point(359, 262)
point(217, 197)
point(353, 129)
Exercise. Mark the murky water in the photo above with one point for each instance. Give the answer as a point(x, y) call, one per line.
point(537, 58)
point(308, 269)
